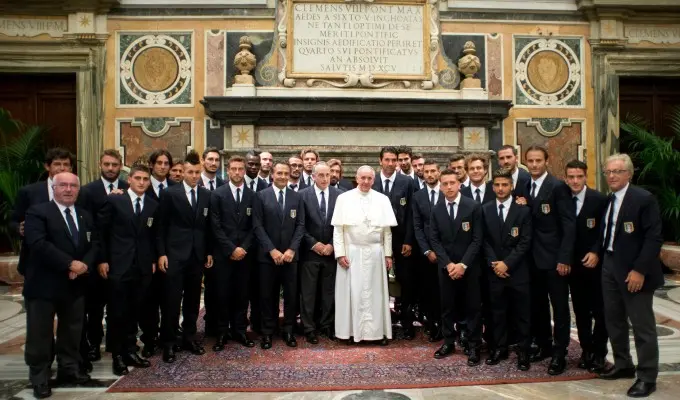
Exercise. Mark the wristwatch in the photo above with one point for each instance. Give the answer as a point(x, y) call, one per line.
point(464, 266)
point(427, 252)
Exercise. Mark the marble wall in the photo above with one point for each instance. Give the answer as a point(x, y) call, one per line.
point(136, 138)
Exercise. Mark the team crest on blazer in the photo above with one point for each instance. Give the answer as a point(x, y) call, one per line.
point(628, 227)
point(248, 211)
point(402, 201)
point(590, 223)
point(205, 212)
point(545, 208)
point(293, 213)
point(149, 222)
point(465, 226)
point(514, 231)
point(89, 236)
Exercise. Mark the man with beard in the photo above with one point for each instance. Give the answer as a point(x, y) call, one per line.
point(177, 171)
point(337, 181)
point(294, 182)
point(266, 160)
point(211, 164)
point(507, 158)
point(404, 156)
point(252, 170)
point(418, 163)
point(309, 159)
point(92, 198)
point(457, 164)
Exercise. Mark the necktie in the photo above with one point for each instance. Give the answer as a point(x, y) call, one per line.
point(193, 199)
point(252, 185)
point(110, 187)
point(432, 197)
point(309, 181)
point(500, 214)
point(575, 205)
point(533, 190)
point(387, 187)
point(293, 186)
point(610, 222)
point(452, 216)
point(281, 199)
point(72, 226)
point(212, 185)
point(138, 207)
point(322, 206)
point(238, 197)
point(477, 196)
point(160, 187)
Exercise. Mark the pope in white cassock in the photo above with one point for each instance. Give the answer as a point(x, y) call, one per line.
point(362, 240)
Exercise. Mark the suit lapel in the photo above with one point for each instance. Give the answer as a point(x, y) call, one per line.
point(57, 215)
point(279, 212)
point(622, 212)
point(456, 222)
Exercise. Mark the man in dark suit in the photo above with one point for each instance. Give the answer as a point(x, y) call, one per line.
point(210, 179)
point(159, 163)
point(631, 272)
point(57, 160)
point(295, 181)
point(399, 189)
point(585, 280)
point(337, 181)
point(279, 223)
point(231, 212)
point(317, 273)
point(265, 168)
point(184, 249)
point(92, 198)
point(457, 163)
point(418, 163)
point(507, 241)
point(507, 158)
point(309, 158)
point(63, 247)
point(423, 203)
point(457, 240)
point(252, 179)
point(177, 171)
point(128, 261)
point(554, 224)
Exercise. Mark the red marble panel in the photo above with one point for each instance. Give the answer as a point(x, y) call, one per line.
point(138, 144)
point(562, 147)
point(494, 50)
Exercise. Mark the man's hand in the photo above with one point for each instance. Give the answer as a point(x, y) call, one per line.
point(163, 263)
point(521, 201)
point(457, 272)
point(500, 269)
point(153, 268)
point(344, 262)
point(635, 280)
point(238, 254)
point(72, 275)
point(590, 260)
point(209, 261)
point(104, 270)
point(432, 257)
point(78, 267)
point(388, 263)
point(563, 269)
point(116, 191)
point(318, 248)
point(328, 250)
point(288, 256)
point(406, 250)
point(277, 256)
point(21, 228)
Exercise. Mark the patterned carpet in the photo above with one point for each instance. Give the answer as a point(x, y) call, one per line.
point(330, 366)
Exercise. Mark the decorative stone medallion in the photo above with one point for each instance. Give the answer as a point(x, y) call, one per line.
point(155, 69)
point(548, 72)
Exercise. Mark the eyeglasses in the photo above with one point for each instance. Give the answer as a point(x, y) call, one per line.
point(608, 172)
point(64, 185)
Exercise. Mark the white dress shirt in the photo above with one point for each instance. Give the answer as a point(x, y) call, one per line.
point(187, 191)
point(538, 182)
point(466, 183)
point(318, 196)
point(63, 214)
point(276, 194)
point(305, 176)
point(436, 193)
point(482, 190)
point(617, 206)
point(155, 183)
point(107, 183)
point(515, 177)
point(233, 190)
point(456, 203)
point(383, 178)
point(297, 185)
point(134, 197)
point(248, 180)
point(206, 181)
point(506, 207)
point(50, 189)
point(581, 197)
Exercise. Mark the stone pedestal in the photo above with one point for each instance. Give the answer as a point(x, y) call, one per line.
point(243, 89)
point(473, 93)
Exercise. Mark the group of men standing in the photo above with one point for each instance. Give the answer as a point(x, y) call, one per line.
point(476, 261)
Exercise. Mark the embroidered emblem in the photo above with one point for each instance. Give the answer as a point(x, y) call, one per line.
point(293, 213)
point(248, 211)
point(465, 226)
point(89, 236)
point(205, 212)
point(514, 231)
point(628, 227)
point(590, 223)
point(545, 208)
point(402, 201)
point(149, 222)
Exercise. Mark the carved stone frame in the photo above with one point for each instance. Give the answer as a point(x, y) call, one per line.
point(87, 60)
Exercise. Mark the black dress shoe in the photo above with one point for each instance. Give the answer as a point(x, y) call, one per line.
point(119, 367)
point(312, 338)
point(445, 351)
point(289, 338)
point(473, 358)
point(94, 354)
point(596, 364)
point(496, 357)
point(328, 333)
point(584, 361)
point(523, 363)
point(42, 391)
point(409, 332)
point(463, 338)
point(557, 365)
point(149, 350)
point(243, 339)
point(73, 379)
point(134, 360)
point(541, 355)
point(219, 343)
point(177, 348)
point(266, 342)
point(384, 341)
point(193, 347)
point(169, 354)
point(618, 373)
point(641, 389)
point(86, 367)
point(435, 334)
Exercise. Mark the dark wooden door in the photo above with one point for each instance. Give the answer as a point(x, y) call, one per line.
point(48, 100)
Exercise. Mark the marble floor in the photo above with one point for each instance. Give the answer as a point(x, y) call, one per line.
point(14, 385)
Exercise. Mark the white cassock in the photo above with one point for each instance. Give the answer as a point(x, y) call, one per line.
point(362, 233)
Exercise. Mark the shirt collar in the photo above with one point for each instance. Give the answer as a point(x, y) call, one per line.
point(436, 188)
point(133, 196)
point(294, 183)
point(276, 190)
point(383, 177)
point(540, 179)
point(506, 204)
point(206, 180)
point(621, 193)
point(467, 180)
point(188, 188)
point(581, 196)
point(456, 200)
point(107, 183)
point(234, 187)
point(482, 187)
point(318, 190)
point(155, 182)
point(63, 207)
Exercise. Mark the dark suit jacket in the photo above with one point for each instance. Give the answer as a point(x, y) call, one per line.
point(422, 210)
point(523, 182)
point(510, 244)
point(260, 184)
point(181, 231)
point(588, 225)
point(451, 242)
point(345, 184)
point(554, 223)
point(489, 195)
point(29, 195)
point(231, 227)
point(152, 193)
point(300, 185)
point(316, 229)
point(93, 195)
point(51, 251)
point(128, 242)
point(218, 182)
point(401, 192)
point(276, 229)
point(637, 238)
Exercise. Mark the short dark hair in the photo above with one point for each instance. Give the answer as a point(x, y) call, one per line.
point(430, 161)
point(59, 153)
point(211, 150)
point(178, 161)
point(388, 149)
point(275, 163)
point(504, 173)
point(192, 158)
point(448, 171)
point(508, 147)
point(537, 148)
point(405, 150)
point(457, 157)
point(160, 152)
point(236, 159)
point(576, 164)
point(309, 150)
point(139, 167)
point(253, 153)
point(416, 157)
point(293, 156)
point(111, 153)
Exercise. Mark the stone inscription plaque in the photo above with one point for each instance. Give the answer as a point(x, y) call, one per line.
point(653, 34)
point(387, 39)
point(30, 27)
